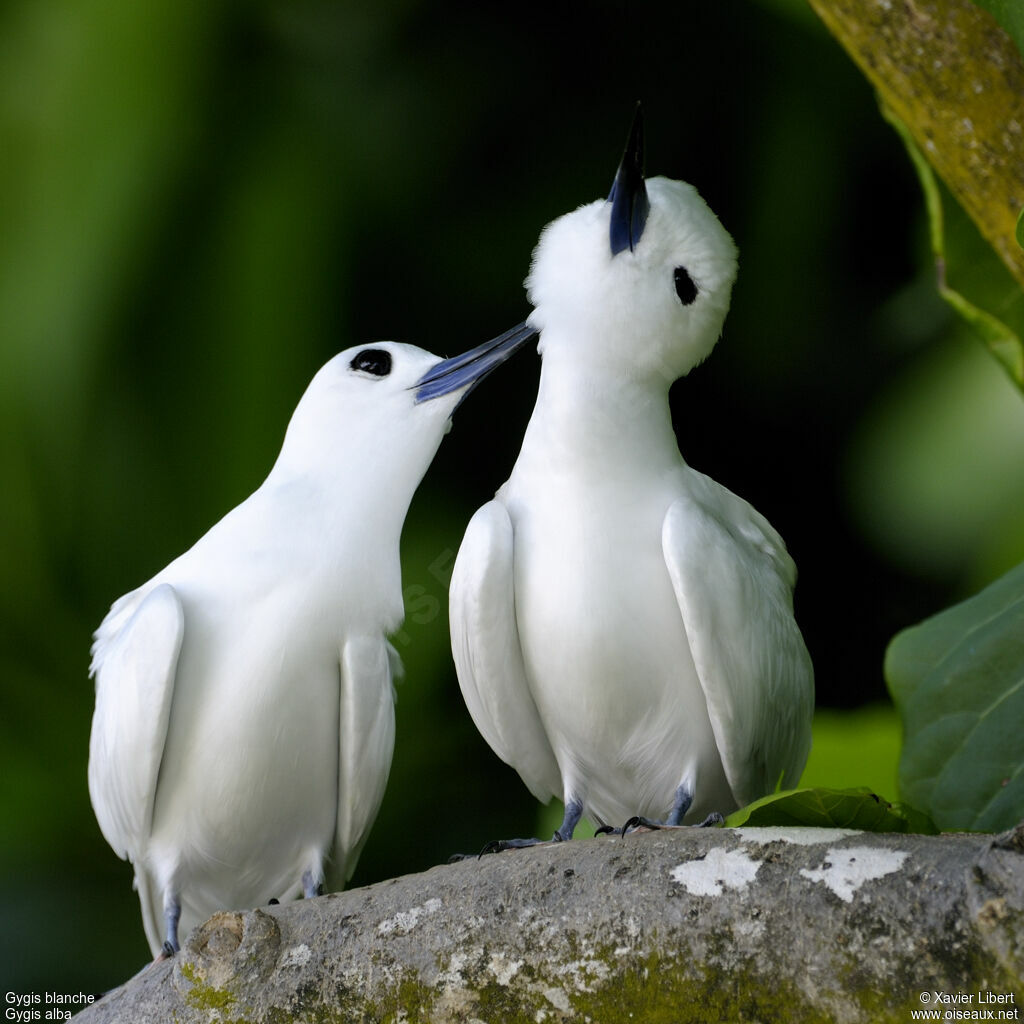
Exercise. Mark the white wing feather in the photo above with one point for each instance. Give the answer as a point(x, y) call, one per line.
point(487, 652)
point(366, 738)
point(734, 581)
point(135, 655)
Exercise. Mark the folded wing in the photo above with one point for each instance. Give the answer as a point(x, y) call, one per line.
point(734, 583)
point(488, 656)
point(135, 656)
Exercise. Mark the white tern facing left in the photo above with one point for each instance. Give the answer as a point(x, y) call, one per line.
point(622, 625)
point(244, 719)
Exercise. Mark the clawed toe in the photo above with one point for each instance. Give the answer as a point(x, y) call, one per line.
point(639, 823)
point(496, 846)
point(635, 822)
point(499, 845)
point(714, 818)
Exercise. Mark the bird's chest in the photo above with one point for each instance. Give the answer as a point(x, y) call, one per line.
point(599, 622)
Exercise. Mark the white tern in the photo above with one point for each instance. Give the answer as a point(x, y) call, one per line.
point(622, 625)
point(244, 719)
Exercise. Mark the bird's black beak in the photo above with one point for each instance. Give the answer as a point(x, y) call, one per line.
point(467, 370)
point(629, 193)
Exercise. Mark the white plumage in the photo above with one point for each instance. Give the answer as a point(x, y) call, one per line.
point(244, 719)
point(622, 625)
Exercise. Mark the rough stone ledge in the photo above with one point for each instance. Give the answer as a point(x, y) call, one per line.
point(749, 924)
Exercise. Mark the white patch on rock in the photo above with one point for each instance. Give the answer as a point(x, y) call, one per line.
point(799, 835)
point(405, 920)
point(752, 928)
point(584, 973)
point(451, 977)
point(719, 870)
point(297, 956)
point(558, 999)
point(503, 969)
point(844, 871)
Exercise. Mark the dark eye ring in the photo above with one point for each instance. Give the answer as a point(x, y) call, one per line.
point(685, 288)
point(374, 361)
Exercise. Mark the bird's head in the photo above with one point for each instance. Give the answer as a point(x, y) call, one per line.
point(385, 407)
point(639, 282)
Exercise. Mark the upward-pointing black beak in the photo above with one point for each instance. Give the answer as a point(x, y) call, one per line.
point(629, 193)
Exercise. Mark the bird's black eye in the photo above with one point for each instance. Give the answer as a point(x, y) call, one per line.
point(685, 288)
point(372, 360)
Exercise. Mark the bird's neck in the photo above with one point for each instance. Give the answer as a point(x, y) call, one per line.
point(361, 496)
point(591, 418)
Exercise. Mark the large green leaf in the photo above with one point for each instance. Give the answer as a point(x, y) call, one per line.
point(831, 808)
point(958, 683)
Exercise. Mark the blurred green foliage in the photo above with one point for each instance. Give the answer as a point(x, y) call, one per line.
point(857, 747)
point(201, 203)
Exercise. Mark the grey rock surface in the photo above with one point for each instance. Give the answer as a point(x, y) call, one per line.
point(750, 924)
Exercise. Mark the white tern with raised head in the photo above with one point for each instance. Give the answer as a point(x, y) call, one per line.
point(622, 625)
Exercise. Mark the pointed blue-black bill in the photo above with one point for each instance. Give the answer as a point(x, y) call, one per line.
point(629, 193)
point(467, 370)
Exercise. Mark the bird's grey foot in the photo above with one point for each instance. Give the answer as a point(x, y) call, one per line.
point(680, 805)
point(711, 821)
point(311, 885)
point(571, 818)
point(639, 822)
point(498, 845)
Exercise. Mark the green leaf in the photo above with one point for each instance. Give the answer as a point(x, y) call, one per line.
point(958, 682)
point(1010, 15)
point(1019, 233)
point(832, 808)
point(971, 277)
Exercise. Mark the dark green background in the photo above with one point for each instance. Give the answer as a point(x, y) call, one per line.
point(200, 203)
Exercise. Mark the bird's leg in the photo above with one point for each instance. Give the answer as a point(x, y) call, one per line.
point(680, 805)
point(172, 915)
point(571, 818)
point(311, 884)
